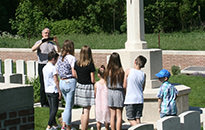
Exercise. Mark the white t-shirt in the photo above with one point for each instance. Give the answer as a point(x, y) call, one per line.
point(49, 70)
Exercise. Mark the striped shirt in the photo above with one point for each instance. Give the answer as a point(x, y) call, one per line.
point(168, 93)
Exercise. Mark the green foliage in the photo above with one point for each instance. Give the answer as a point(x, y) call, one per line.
point(196, 83)
point(36, 87)
point(175, 70)
point(29, 20)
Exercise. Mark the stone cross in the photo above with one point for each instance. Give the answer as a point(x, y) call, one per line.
point(135, 25)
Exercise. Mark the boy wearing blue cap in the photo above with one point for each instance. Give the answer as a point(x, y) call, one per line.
point(167, 95)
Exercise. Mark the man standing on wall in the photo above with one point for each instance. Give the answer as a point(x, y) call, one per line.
point(43, 47)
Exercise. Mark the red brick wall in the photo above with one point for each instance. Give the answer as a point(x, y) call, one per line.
point(17, 120)
point(169, 59)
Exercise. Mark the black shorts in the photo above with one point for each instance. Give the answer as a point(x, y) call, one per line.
point(133, 111)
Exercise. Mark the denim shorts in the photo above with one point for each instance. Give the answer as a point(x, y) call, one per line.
point(133, 111)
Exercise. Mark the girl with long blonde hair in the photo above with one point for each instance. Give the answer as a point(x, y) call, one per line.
point(84, 95)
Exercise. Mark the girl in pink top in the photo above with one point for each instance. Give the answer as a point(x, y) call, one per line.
point(102, 110)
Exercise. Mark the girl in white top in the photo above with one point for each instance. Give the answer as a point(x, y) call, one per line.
point(134, 82)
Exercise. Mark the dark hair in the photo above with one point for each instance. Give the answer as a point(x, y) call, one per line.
point(114, 69)
point(101, 71)
point(68, 47)
point(141, 61)
point(52, 54)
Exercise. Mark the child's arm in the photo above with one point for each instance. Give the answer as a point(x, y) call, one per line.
point(144, 82)
point(125, 79)
point(95, 89)
point(74, 73)
point(55, 77)
point(159, 104)
point(92, 75)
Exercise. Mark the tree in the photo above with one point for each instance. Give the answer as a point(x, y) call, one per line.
point(29, 20)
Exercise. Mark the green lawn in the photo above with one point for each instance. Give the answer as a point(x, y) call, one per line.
point(41, 117)
point(196, 83)
point(169, 41)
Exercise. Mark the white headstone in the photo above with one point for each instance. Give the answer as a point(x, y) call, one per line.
point(31, 69)
point(169, 123)
point(142, 127)
point(8, 66)
point(190, 120)
point(36, 69)
point(20, 67)
point(135, 25)
point(0, 67)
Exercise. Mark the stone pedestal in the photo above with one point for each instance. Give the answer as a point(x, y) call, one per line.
point(153, 66)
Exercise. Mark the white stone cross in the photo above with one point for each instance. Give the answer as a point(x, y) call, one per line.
point(135, 25)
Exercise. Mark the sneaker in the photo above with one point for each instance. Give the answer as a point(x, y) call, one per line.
point(49, 128)
point(63, 128)
point(56, 127)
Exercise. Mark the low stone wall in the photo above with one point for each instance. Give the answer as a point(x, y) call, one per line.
point(180, 58)
point(16, 107)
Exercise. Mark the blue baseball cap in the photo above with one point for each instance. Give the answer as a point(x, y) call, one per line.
point(163, 73)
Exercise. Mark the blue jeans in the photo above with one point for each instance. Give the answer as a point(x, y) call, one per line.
point(68, 90)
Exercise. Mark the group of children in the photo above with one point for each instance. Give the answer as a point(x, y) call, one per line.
point(110, 94)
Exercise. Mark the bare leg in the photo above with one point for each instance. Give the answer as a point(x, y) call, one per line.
point(132, 122)
point(112, 118)
point(85, 118)
point(138, 121)
point(106, 126)
point(119, 118)
point(98, 125)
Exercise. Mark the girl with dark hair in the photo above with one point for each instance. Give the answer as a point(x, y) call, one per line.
point(114, 76)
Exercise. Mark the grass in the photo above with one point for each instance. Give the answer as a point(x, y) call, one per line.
point(169, 41)
point(41, 117)
point(196, 83)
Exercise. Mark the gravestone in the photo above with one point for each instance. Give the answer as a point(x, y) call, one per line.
point(190, 120)
point(8, 70)
point(1, 75)
point(169, 123)
point(142, 127)
point(31, 69)
point(20, 69)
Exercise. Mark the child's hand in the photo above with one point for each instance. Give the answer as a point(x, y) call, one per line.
point(159, 109)
point(60, 95)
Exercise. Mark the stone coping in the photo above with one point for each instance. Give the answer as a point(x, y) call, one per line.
point(194, 70)
point(152, 93)
point(167, 52)
point(5, 86)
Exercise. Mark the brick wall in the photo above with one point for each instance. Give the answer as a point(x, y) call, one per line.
point(17, 120)
point(180, 58)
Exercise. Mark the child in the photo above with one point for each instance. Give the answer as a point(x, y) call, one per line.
point(114, 79)
point(84, 95)
point(52, 89)
point(167, 95)
point(66, 72)
point(102, 110)
point(134, 83)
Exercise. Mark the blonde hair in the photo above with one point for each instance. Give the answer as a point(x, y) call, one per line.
point(68, 47)
point(85, 56)
point(114, 70)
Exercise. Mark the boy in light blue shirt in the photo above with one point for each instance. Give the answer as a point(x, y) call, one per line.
point(167, 95)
